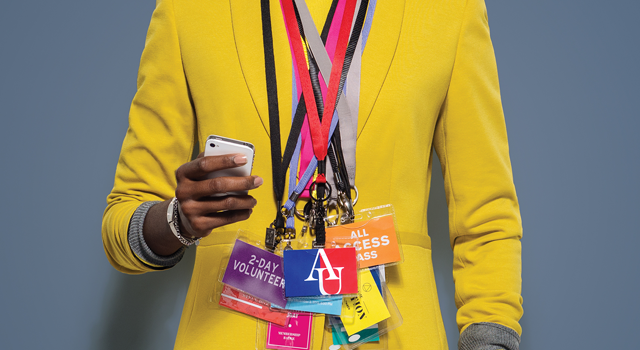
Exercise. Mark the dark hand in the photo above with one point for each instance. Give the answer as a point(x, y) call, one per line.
point(199, 211)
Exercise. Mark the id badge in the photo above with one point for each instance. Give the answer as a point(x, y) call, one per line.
point(340, 336)
point(257, 272)
point(296, 335)
point(369, 306)
point(373, 236)
point(320, 272)
point(330, 305)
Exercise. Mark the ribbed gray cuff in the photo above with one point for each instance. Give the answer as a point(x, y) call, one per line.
point(140, 247)
point(488, 336)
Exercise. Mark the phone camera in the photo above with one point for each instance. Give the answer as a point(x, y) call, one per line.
point(212, 144)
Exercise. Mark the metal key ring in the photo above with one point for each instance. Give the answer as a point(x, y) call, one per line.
point(327, 193)
point(355, 200)
point(333, 206)
point(300, 215)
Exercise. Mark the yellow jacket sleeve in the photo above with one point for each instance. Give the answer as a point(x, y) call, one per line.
point(160, 138)
point(484, 218)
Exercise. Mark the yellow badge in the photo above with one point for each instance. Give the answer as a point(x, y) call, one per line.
point(365, 310)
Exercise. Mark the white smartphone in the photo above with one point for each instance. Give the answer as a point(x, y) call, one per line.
point(218, 146)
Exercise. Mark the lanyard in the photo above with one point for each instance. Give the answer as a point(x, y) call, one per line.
point(349, 133)
point(279, 166)
point(317, 47)
point(339, 171)
point(329, 38)
point(310, 101)
point(358, 27)
point(293, 166)
point(319, 128)
point(344, 157)
point(310, 84)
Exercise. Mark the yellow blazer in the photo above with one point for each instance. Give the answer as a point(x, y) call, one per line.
point(429, 79)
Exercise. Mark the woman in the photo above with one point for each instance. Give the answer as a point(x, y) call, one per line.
point(428, 80)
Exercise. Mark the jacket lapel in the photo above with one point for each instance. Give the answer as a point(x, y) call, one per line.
point(247, 30)
point(378, 54)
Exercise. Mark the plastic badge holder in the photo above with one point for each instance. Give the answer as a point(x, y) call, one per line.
point(327, 306)
point(394, 321)
point(298, 335)
point(379, 274)
point(375, 235)
point(239, 301)
point(252, 270)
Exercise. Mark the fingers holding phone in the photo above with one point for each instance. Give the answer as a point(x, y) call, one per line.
point(212, 190)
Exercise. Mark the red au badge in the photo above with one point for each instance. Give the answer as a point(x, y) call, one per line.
point(317, 272)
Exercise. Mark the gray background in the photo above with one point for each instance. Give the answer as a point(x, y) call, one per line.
point(569, 73)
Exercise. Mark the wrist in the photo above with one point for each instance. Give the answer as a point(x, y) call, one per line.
point(174, 216)
point(140, 247)
point(157, 233)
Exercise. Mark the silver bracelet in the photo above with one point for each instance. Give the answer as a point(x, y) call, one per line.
point(173, 218)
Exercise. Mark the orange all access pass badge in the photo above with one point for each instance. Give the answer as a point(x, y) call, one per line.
point(375, 240)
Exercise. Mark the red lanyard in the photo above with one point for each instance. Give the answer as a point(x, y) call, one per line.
point(319, 129)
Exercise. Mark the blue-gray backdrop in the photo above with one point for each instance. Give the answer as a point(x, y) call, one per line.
point(569, 76)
